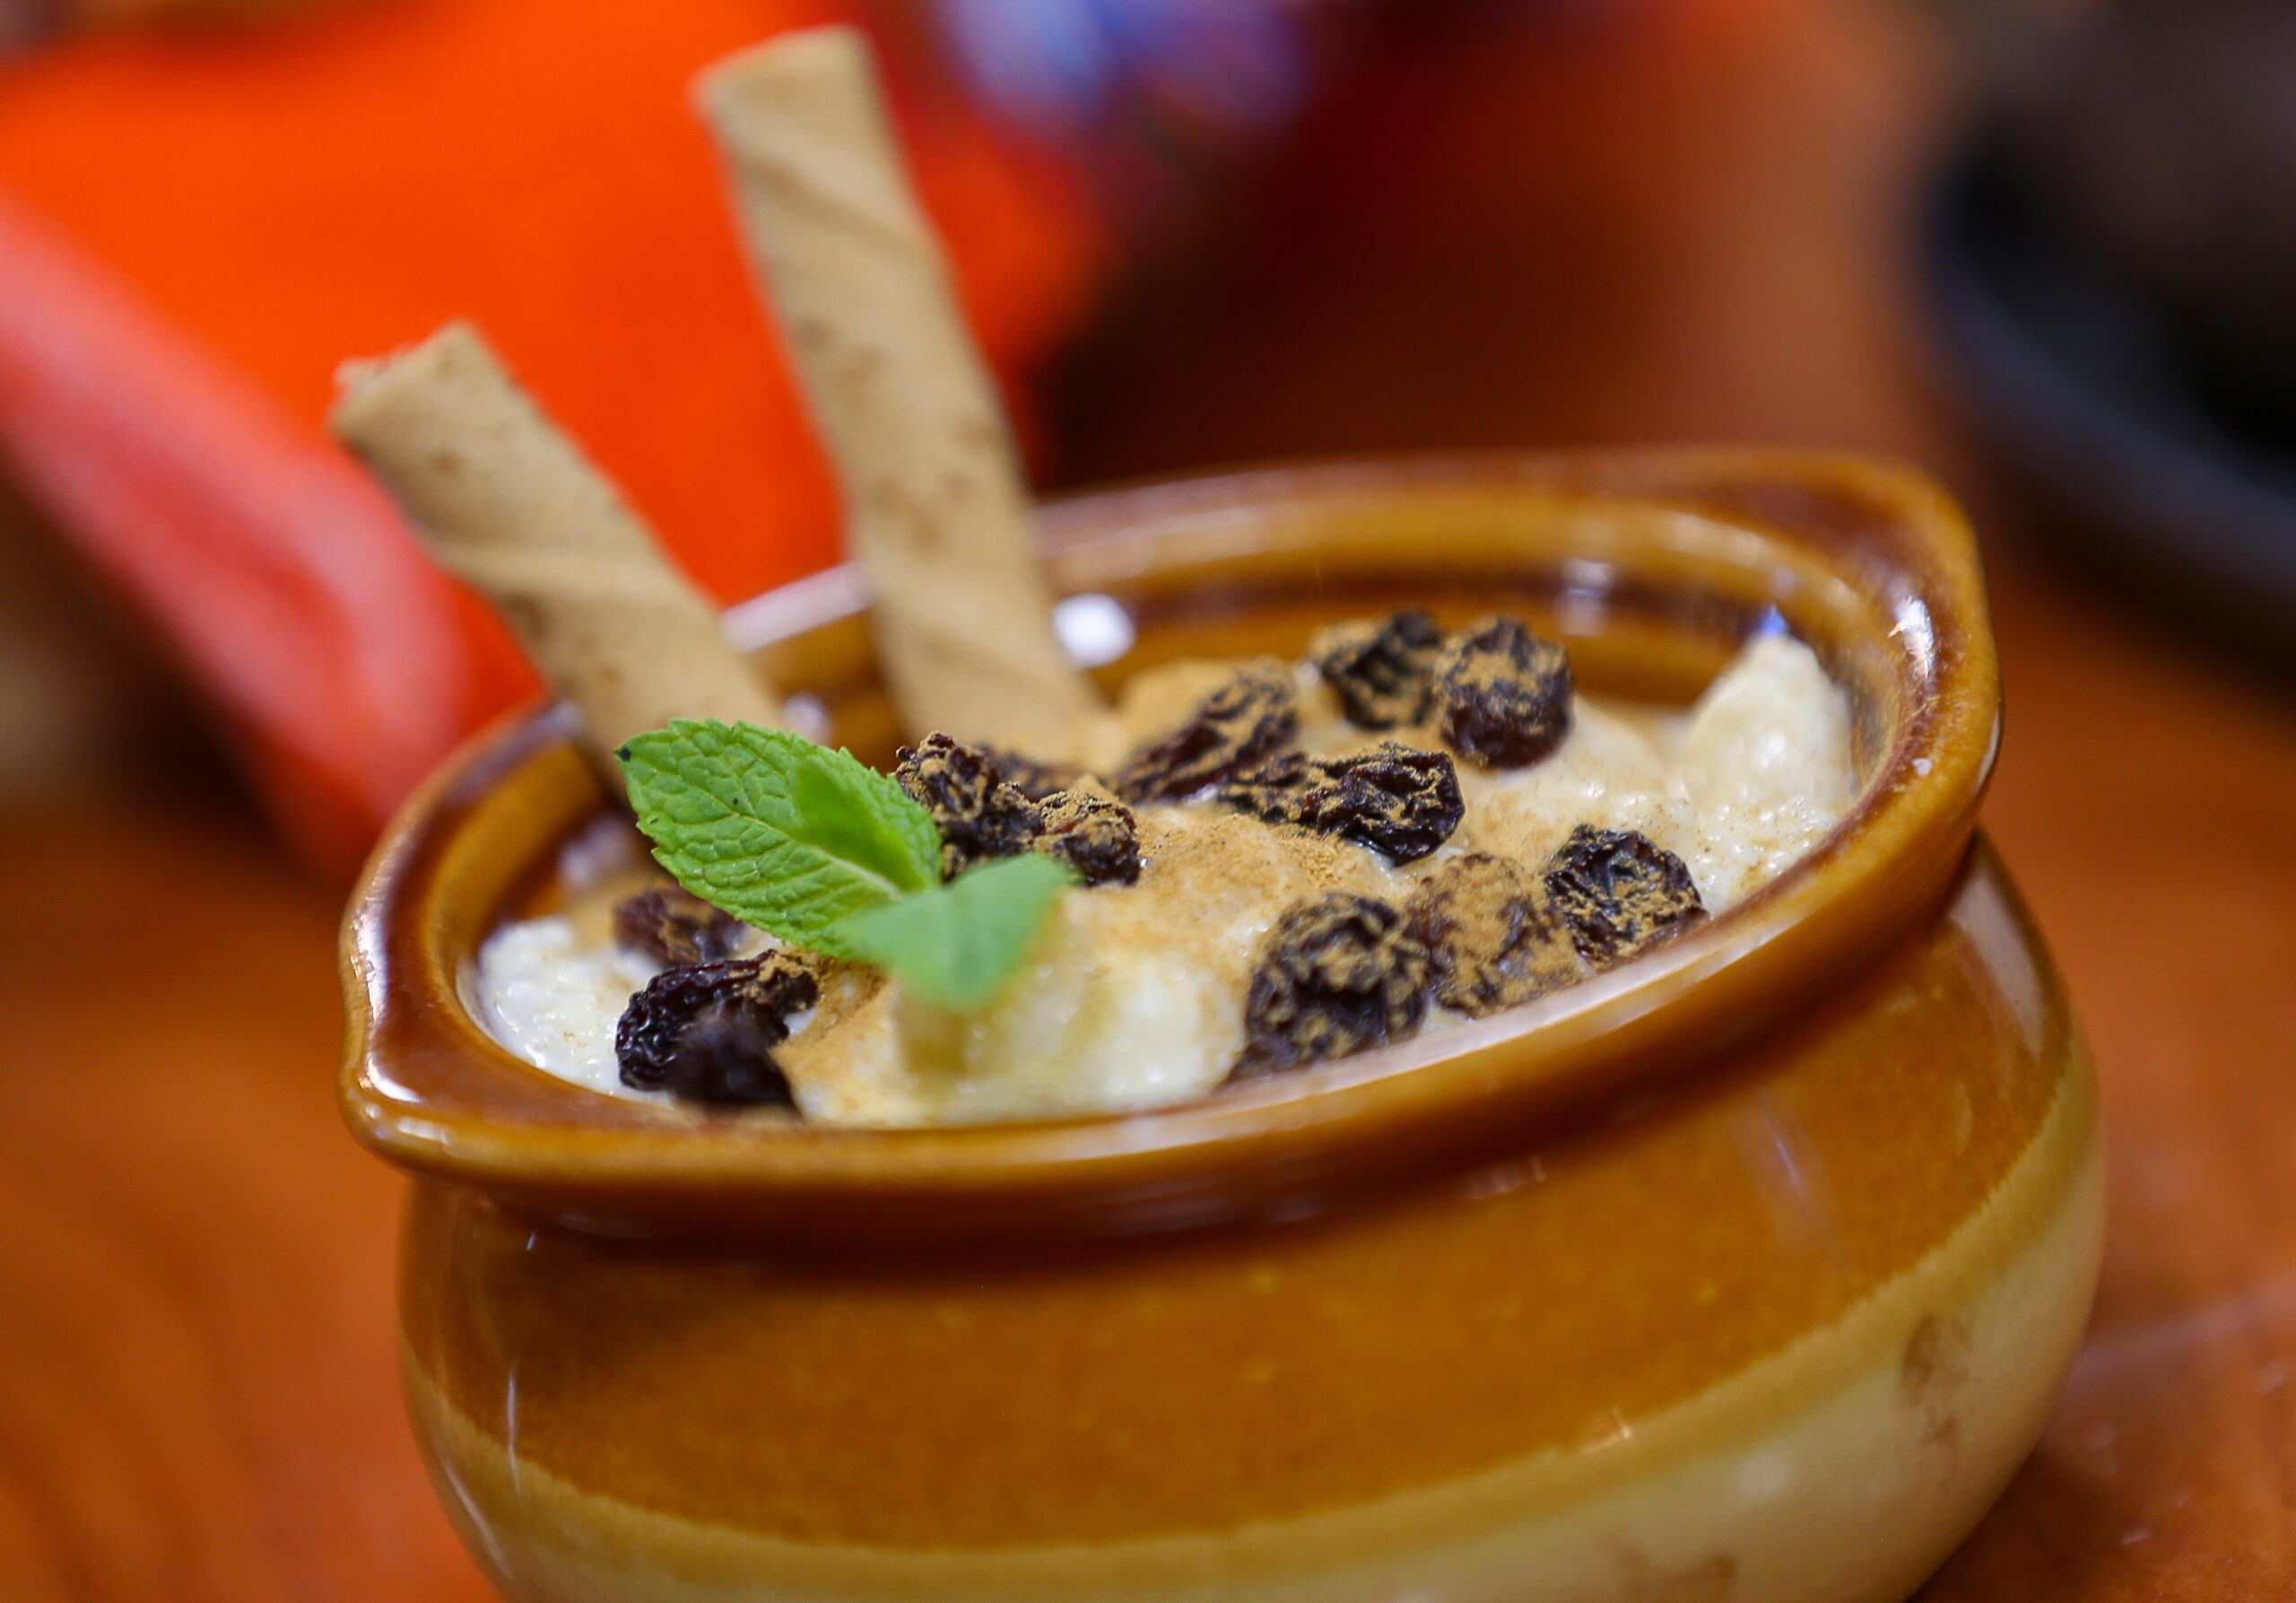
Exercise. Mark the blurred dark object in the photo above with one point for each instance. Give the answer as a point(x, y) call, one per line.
point(1155, 102)
point(2114, 265)
point(28, 22)
point(89, 712)
point(1546, 224)
point(2164, 145)
point(1142, 94)
point(24, 22)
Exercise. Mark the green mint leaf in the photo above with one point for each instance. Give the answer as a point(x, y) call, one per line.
point(955, 945)
point(782, 833)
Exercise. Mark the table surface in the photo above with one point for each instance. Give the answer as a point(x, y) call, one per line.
point(197, 1398)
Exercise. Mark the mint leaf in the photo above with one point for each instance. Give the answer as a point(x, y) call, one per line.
point(814, 847)
point(955, 945)
point(782, 833)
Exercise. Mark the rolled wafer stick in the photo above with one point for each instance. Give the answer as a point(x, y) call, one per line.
point(935, 505)
point(509, 504)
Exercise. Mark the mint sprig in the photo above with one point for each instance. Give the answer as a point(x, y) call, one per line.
point(816, 848)
point(956, 945)
point(782, 833)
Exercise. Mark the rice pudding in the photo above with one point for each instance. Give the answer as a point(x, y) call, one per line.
point(1137, 995)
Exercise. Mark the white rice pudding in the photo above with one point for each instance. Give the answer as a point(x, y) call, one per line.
point(1135, 995)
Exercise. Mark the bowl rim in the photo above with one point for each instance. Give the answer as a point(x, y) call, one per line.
point(1294, 1143)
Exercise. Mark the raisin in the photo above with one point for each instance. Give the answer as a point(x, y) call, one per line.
point(1620, 892)
point(1394, 797)
point(1242, 723)
point(705, 1032)
point(1502, 693)
point(1338, 972)
point(672, 925)
point(979, 816)
point(1038, 782)
point(1381, 672)
point(719, 1058)
point(1273, 789)
point(1095, 835)
point(1492, 934)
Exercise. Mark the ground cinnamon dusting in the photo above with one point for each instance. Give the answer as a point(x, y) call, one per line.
point(1141, 994)
point(1247, 719)
point(1495, 940)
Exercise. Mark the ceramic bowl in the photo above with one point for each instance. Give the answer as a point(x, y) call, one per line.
point(1748, 1270)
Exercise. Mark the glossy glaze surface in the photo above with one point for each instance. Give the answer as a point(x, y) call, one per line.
point(1688, 1220)
point(1188, 1383)
point(1653, 566)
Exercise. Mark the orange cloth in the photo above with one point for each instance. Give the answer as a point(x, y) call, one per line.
point(195, 230)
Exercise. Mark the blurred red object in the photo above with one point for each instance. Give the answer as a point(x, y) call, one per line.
point(195, 229)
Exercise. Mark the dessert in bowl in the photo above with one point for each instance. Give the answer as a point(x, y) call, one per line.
point(1746, 1268)
point(1412, 828)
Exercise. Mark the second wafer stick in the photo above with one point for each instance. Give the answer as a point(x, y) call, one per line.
point(936, 507)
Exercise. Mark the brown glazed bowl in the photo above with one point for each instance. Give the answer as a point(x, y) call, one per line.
point(1747, 1271)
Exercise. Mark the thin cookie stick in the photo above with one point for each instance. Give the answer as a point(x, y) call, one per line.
point(934, 501)
point(509, 504)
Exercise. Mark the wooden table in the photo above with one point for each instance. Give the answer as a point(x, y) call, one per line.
point(197, 1392)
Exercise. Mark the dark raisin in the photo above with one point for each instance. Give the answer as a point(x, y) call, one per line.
point(705, 1032)
point(1095, 835)
point(1502, 693)
point(1381, 672)
point(672, 925)
point(1394, 797)
point(1337, 973)
point(1620, 892)
point(1036, 781)
point(979, 816)
point(1273, 789)
point(1492, 936)
point(1242, 723)
point(719, 1058)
